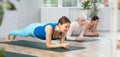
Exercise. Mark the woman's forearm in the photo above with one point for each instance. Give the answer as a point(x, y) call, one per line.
point(55, 46)
point(64, 45)
point(62, 40)
point(90, 35)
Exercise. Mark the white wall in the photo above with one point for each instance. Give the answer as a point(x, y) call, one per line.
point(73, 12)
point(118, 20)
point(53, 14)
point(27, 12)
point(105, 17)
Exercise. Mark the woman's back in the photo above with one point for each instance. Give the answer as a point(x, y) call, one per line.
point(40, 30)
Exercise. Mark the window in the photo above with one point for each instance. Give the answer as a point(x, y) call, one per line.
point(99, 1)
point(64, 3)
point(50, 3)
point(69, 3)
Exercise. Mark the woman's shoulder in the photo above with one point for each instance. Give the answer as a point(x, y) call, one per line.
point(51, 25)
point(87, 22)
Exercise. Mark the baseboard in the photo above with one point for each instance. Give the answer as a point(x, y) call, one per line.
point(106, 30)
point(103, 30)
point(118, 30)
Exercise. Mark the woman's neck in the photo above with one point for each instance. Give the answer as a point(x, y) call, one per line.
point(91, 23)
point(56, 32)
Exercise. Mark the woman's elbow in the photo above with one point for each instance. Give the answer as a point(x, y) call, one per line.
point(84, 34)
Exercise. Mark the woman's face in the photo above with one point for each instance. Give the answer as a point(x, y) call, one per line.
point(64, 27)
point(81, 21)
point(96, 22)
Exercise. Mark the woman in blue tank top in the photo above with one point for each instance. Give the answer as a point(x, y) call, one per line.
point(48, 32)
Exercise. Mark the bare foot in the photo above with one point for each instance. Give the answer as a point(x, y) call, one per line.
point(7, 37)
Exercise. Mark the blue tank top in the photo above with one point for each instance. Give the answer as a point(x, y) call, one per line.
point(40, 33)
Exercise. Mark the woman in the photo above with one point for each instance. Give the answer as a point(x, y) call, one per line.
point(76, 28)
point(46, 32)
point(90, 28)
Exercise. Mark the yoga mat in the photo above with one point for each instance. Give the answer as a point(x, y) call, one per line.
point(12, 54)
point(86, 40)
point(90, 40)
point(40, 45)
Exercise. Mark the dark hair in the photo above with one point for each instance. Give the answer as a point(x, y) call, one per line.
point(63, 20)
point(94, 18)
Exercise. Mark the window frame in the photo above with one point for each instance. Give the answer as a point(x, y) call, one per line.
point(60, 4)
